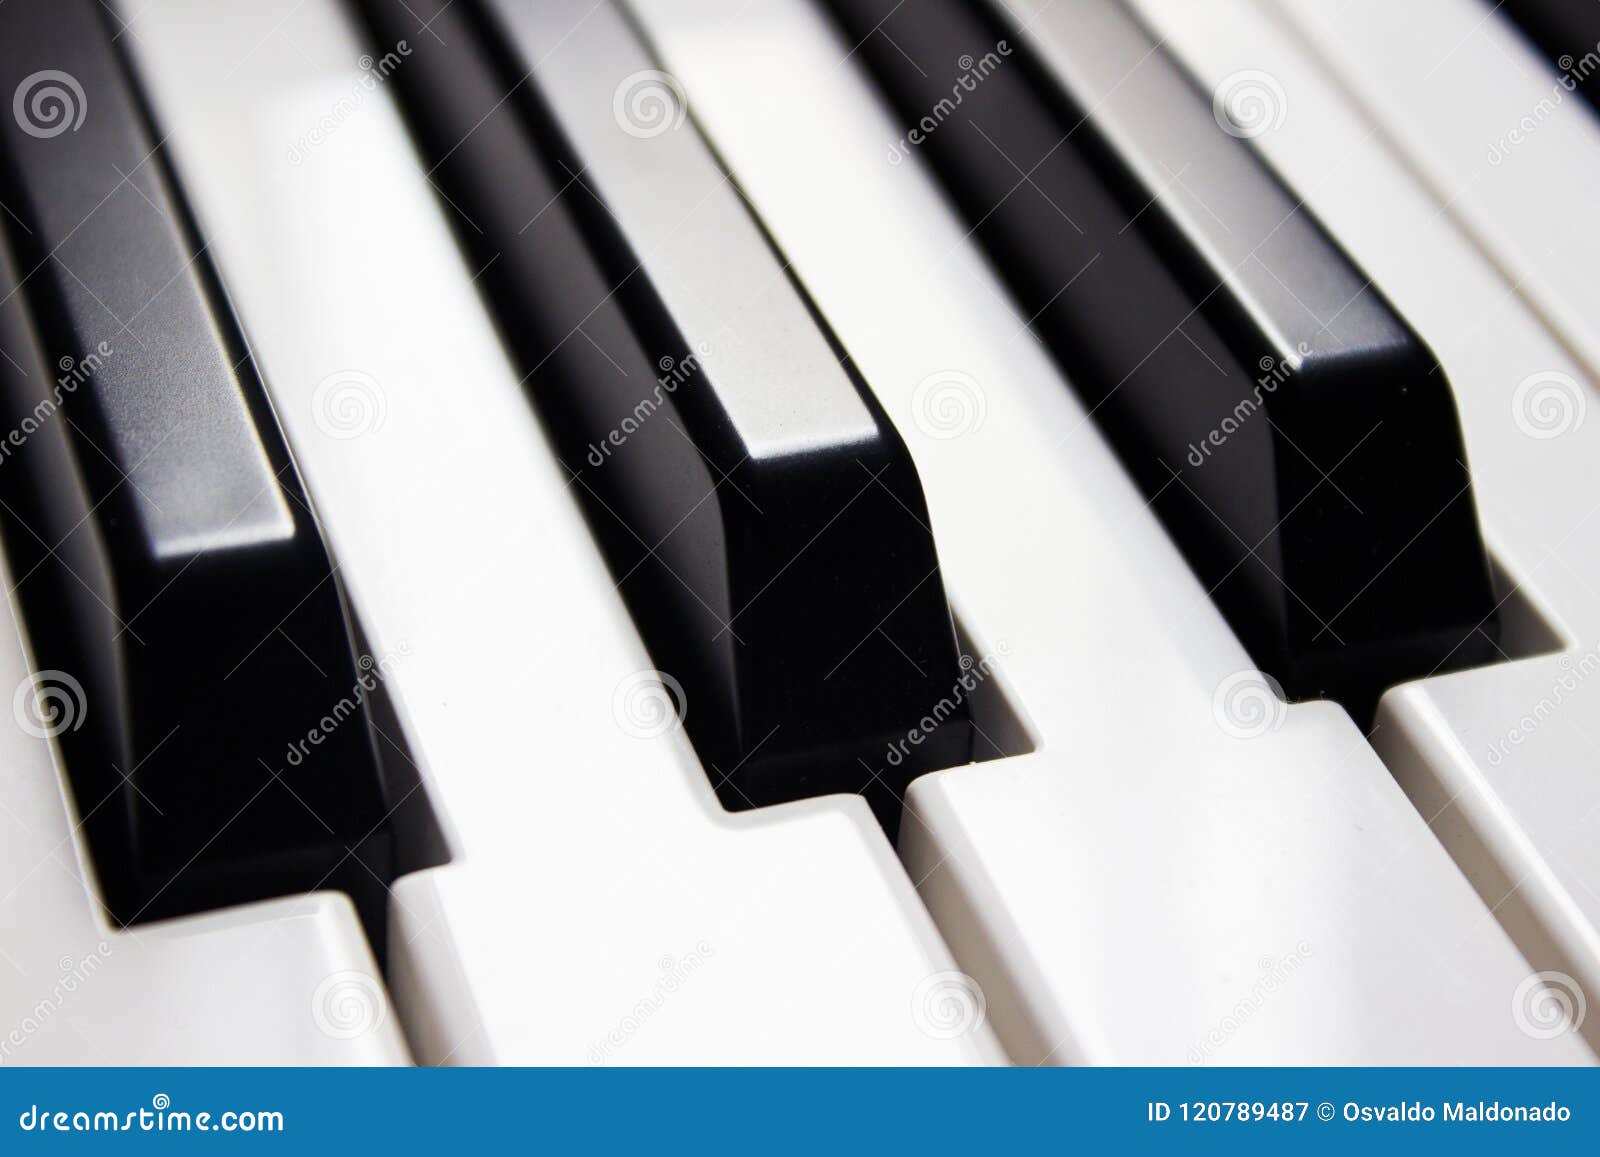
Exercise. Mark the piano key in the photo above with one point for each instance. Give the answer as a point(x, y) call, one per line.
point(592, 867)
point(1493, 132)
point(175, 578)
point(277, 982)
point(1184, 294)
point(1499, 760)
point(1123, 891)
point(1567, 34)
point(766, 526)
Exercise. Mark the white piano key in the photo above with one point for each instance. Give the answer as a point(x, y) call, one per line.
point(1170, 878)
point(1501, 760)
point(282, 982)
point(600, 906)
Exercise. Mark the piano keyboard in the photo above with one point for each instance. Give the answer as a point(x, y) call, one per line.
point(812, 532)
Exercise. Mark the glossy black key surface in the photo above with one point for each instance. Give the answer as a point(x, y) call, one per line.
point(193, 650)
point(1296, 437)
point(1566, 33)
point(761, 515)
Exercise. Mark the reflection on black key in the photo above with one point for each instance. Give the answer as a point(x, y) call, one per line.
point(1296, 437)
point(193, 649)
point(761, 515)
point(1566, 33)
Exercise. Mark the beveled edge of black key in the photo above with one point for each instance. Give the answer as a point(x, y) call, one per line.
point(749, 766)
point(1293, 299)
point(865, 456)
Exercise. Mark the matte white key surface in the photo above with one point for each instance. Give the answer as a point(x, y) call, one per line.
point(601, 907)
point(282, 982)
point(1168, 878)
point(1502, 761)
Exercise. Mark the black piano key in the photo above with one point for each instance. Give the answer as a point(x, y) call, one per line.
point(763, 519)
point(194, 652)
point(1296, 437)
point(1566, 33)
